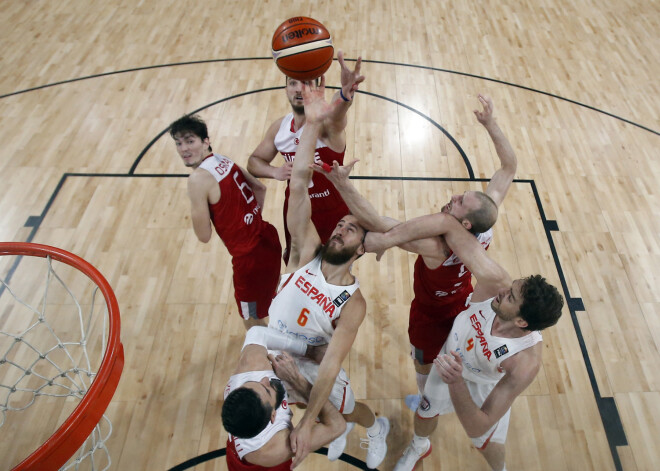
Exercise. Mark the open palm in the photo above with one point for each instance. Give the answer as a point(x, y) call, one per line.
point(316, 108)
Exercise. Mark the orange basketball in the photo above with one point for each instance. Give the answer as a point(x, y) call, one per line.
point(302, 48)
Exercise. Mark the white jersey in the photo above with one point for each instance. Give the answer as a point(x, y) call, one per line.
point(287, 139)
point(483, 353)
point(282, 418)
point(306, 306)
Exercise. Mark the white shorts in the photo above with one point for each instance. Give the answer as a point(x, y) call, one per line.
point(436, 401)
point(341, 396)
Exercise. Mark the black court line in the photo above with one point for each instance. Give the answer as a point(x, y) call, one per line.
point(607, 406)
point(222, 100)
point(368, 61)
point(211, 455)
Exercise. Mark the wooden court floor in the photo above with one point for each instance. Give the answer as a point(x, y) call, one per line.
point(87, 88)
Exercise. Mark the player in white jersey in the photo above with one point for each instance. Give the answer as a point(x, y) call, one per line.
point(256, 413)
point(493, 351)
point(442, 284)
point(319, 300)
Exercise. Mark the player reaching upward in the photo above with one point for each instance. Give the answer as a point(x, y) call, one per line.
point(226, 197)
point(283, 136)
point(493, 351)
point(442, 282)
point(319, 300)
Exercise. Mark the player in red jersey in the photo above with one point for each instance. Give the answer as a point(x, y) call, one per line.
point(256, 412)
point(284, 135)
point(441, 281)
point(225, 196)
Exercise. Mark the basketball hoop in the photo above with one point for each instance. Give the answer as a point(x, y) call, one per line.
point(77, 378)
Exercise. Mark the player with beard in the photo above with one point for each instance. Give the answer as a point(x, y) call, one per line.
point(319, 300)
point(442, 283)
point(256, 412)
point(283, 136)
point(493, 352)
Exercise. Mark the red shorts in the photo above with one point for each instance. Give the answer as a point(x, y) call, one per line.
point(234, 463)
point(429, 327)
point(257, 274)
point(324, 221)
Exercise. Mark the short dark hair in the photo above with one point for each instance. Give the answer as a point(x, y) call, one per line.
point(244, 415)
point(542, 303)
point(190, 123)
point(483, 218)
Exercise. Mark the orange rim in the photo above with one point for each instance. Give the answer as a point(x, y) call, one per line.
point(70, 436)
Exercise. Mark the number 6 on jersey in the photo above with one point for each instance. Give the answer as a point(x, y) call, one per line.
point(302, 318)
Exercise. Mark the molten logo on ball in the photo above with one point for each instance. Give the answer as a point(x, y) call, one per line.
point(302, 48)
point(301, 33)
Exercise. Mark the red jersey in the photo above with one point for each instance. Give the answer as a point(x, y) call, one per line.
point(448, 283)
point(323, 194)
point(237, 215)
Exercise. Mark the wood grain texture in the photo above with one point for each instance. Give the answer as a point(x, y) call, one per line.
point(425, 62)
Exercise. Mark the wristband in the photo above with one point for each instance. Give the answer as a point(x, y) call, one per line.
point(341, 94)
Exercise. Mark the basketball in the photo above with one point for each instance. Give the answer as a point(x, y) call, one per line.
point(302, 48)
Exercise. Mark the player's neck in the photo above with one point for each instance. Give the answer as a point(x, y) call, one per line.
point(298, 120)
point(208, 154)
point(337, 274)
point(507, 329)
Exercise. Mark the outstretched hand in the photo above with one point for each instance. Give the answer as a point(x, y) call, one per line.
point(316, 108)
point(486, 115)
point(337, 174)
point(350, 79)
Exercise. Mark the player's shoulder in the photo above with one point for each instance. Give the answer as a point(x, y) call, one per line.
point(200, 176)
point(357, 301)
point(275, 125)
point(525, 365)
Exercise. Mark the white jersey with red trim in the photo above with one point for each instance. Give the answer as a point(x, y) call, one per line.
point(282, 418)
point(307, 306)
point(483, 353)
point(322, 192)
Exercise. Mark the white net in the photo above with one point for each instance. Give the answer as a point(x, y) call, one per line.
point(53, 333)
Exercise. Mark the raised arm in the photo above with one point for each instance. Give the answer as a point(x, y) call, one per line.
point(259, 162)
point(357, 204)
point(501, 180)
point(342, 340)
point(432, 248)
point(200, 184)
point(490, 276)
point(335, 123)
point(304, 238)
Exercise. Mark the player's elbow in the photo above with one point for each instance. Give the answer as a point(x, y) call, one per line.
point(476, 432)
point(298, 185)
point(203, 236)
point(251, 165)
